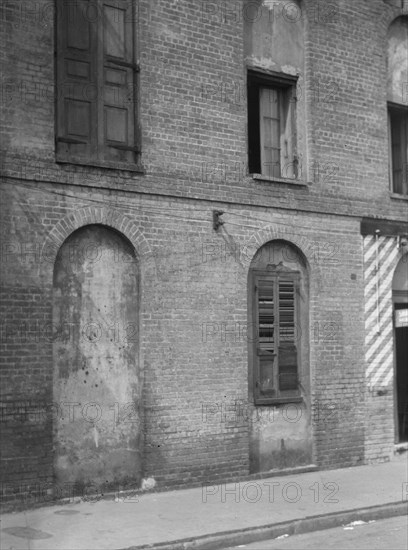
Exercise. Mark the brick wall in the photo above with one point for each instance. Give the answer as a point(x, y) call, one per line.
point(193, 116)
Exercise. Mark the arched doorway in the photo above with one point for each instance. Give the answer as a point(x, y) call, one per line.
point(96, 377)
point(400, 307)
point(279, 370)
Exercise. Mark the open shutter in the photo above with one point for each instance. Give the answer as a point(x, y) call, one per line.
point(270, 130)
point(76, 80)
point(396, 148)
point(288, 358)
point(254, 157)
point(118, 134)
point(405, 154)
point(288, 134)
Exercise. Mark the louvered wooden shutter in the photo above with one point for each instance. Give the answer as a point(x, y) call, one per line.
point(76, 79)
point(118, 133)
point(267, 382)
point(287, 351)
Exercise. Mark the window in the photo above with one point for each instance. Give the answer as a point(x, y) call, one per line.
point(96, 82)
point(397, 96)
point(272, 125)
point(275, 338)
point(398, 135)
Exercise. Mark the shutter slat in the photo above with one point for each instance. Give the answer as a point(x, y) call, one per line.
point(287, 351)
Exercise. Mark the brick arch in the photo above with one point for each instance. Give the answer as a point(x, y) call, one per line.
point(274, 233)
point(90, 215)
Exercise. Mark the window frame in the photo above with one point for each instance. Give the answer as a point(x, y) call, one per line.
point(274, 276)
point(285, 85)
point(396, 108)
point(98, 145)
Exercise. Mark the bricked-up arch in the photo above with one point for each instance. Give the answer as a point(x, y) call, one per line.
point(397, 97)
point(278, 353)
point(96, 382)
point(397, 58)
point(109, 217)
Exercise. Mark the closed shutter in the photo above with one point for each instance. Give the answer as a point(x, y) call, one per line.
point(77, 90)
point(267, 381)
point(118, 131)
point(287, 351)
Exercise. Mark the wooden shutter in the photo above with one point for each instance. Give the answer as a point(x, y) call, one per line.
point(288, 134)
point(270, 131)
point(77, 91)
point(405, 154)
point(118, 130)
point(396, 151)
point(399, 150)
point(275, 338)
point(254, 157)
point(266, 374)
point(287, 350)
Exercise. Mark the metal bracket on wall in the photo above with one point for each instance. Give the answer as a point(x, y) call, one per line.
point(217, 222)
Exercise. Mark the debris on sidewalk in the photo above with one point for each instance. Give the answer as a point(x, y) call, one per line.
point(353, 524)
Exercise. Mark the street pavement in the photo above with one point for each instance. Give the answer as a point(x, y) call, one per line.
point(374, 535)
point(215, 516)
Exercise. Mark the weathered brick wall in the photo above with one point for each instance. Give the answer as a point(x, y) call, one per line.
point(193, 116)
point(193, 51)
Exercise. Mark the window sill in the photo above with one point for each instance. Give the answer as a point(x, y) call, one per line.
point(278, 401)
point(398, 196)
point(262, 177)
point(101, 164)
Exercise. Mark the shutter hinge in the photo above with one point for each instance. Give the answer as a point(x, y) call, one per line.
point(121, 63)
point(125, 147)
point(71, 141)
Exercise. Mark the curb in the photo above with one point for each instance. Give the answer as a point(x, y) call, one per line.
point(307, 524)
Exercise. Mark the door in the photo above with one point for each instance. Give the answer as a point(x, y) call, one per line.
point(401, 369)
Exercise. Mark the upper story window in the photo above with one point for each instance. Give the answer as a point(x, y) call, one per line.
point(398, 129)
point(272, 126)
point(274, 46)
point(397, 95)
point(96, 82)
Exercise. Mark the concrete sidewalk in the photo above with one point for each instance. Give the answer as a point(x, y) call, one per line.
point(215, 516)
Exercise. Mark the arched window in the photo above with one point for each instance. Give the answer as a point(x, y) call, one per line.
point(278, 302)
point(397, 96)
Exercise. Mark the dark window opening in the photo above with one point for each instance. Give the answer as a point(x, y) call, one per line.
point(398, 131)
point(272, 148)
